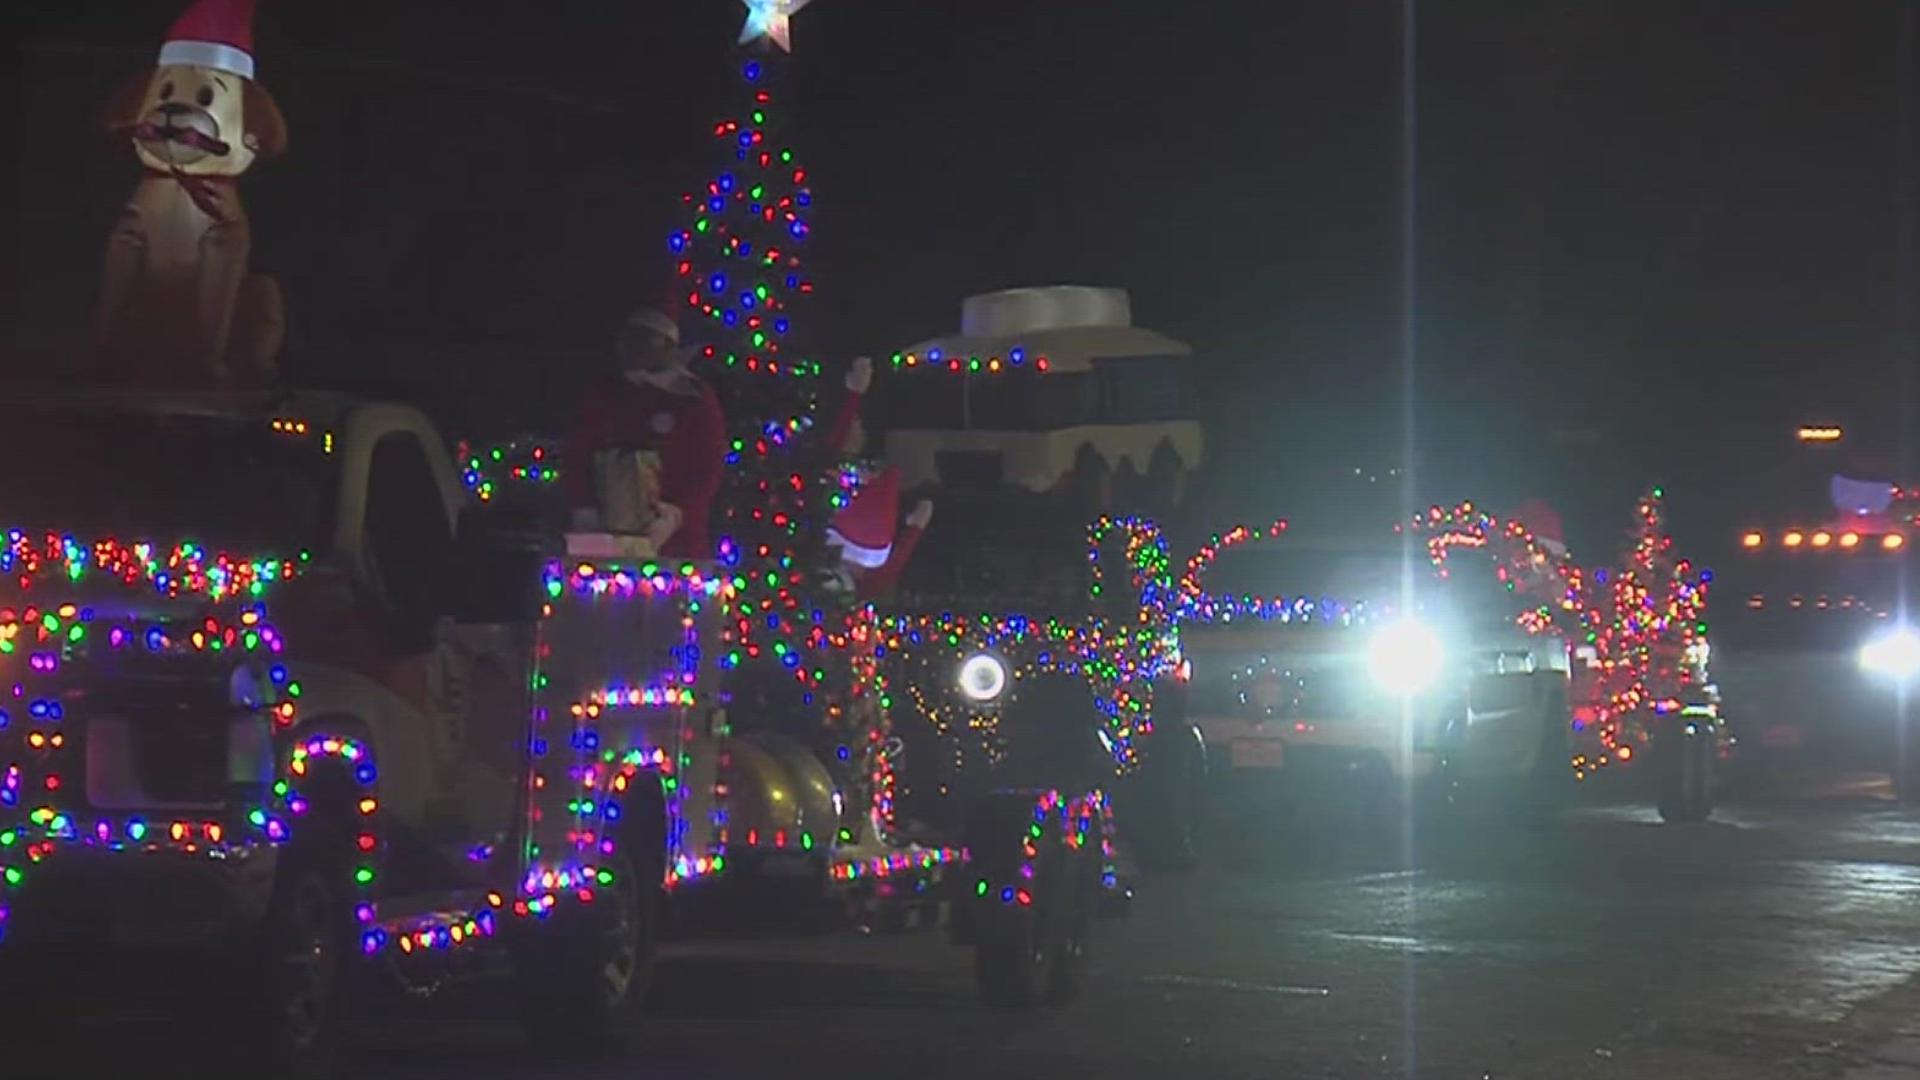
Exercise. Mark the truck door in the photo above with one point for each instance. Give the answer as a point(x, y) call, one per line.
point(1509, 671)
point(466, 683)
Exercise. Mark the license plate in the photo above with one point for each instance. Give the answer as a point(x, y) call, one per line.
point(1258, 753)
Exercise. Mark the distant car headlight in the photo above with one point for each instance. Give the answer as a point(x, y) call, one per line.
point(983, 677)
point(1895, 654)
point(1405, 657)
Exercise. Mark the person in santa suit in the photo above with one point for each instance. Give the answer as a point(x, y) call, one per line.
point(1543, 522)
point(652, 403)
point(874, 550)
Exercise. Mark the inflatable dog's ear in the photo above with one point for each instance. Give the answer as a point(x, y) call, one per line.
point(266, 129)
point(122, 110)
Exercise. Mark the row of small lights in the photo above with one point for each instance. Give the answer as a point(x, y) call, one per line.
point(992, 365)
point(1822, 603)
point(1848, 541)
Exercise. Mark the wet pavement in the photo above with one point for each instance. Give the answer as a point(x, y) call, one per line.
point(1780, 940)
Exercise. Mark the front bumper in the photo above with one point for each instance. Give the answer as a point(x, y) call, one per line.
point(81, 898)
point(1302, 749)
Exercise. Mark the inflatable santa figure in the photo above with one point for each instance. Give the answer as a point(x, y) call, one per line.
point(874, 550)
point(651, 407)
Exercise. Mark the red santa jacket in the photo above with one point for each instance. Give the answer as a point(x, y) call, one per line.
point(683, 425)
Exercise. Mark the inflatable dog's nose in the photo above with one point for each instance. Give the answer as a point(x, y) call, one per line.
point(172, 108)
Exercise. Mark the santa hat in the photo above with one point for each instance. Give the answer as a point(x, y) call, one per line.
point(864, 528)
point(215, 34)
point(1544, 523)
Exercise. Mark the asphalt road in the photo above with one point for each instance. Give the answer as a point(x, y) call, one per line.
point(1780, 940)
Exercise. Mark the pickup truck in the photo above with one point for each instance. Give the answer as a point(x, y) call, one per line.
point(279, 694)
point(1330, 665)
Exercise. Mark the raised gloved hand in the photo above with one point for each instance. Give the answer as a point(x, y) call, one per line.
point(665, 524)
point(921, 514)
point(860, 375)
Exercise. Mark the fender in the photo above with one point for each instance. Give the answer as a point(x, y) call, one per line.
point(310, 749)
point(333, 695)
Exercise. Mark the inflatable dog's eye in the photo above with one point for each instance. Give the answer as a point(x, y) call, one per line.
point(205, 96)
point(166, 91)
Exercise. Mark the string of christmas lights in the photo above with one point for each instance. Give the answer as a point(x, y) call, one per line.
point(992, 364)
point(492, 470)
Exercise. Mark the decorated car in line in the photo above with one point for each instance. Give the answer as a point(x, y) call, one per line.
point(1645, 705)
point(1337, 662)
point(1816, 647)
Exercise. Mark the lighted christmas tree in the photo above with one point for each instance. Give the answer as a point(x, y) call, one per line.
point(738, 259)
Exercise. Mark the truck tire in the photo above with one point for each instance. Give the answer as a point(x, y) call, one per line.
point(304, 960)
point(1684, 773)
point(1550, 781)
point(584, 974)
point(1011, 961)
point(1906, 764)
point(1033, 950)
point(305, 953)
point(1033, 953)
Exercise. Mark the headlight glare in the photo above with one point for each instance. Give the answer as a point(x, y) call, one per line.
point(1895, 654)
point(1405, 658)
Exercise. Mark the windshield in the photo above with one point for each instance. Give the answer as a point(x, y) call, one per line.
point(233, 483)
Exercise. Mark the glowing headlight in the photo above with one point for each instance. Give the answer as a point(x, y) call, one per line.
point(1895, 653)
point(1405, 657)
point(983, 677)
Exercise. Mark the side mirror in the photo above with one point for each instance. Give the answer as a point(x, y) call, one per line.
point(493, 574)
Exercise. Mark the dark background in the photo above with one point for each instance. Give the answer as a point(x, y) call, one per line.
point(1652, 237)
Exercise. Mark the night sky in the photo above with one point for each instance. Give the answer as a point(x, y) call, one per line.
point(1629, 214)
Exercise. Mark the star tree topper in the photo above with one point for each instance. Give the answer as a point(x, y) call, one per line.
point(771, 19)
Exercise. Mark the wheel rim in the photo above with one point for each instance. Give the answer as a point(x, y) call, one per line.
point(309, 963)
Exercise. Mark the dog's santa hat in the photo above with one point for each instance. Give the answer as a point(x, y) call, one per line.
point(215, 34)
point(863, 530)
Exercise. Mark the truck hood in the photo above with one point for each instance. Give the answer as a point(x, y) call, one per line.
point(98, 624)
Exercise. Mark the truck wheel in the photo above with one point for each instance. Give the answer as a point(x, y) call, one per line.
point(1028, 953)
point(305, 952)
point(1550, 781)
point(584, 974)
point(1906, 765)
point(1074, 931)
point(1686, 775)
point(1011, 961)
